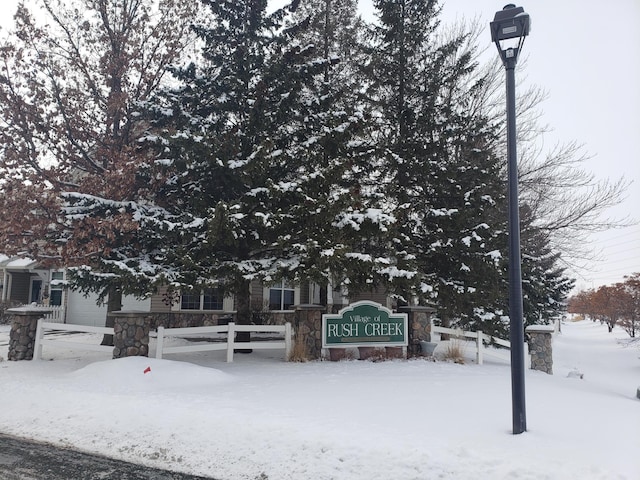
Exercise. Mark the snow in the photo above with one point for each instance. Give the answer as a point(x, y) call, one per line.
point(20, 263)
point(261, 417)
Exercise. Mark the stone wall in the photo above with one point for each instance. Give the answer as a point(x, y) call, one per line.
point(540, 347)
point(204, 319)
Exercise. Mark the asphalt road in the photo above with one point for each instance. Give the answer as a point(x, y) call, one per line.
point(26, 460)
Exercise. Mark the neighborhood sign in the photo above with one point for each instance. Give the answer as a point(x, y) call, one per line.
point(362, 324)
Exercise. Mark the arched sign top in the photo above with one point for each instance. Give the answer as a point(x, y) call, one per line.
point(364, 323)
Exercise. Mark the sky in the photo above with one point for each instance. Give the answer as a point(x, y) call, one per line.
point(262, 418)
point(586, 55)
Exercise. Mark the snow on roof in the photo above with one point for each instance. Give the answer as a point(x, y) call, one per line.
point(20, 263)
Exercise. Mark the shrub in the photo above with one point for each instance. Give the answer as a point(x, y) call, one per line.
point(455, 351)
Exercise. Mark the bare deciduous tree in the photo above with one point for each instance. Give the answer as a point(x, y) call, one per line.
point(563, 198)
point(71, 83)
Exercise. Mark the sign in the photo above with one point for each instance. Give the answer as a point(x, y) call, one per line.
point(364, 324)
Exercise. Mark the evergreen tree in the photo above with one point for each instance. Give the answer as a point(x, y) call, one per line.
point(438, 163)
point(545, 286)
point(359, 250)
point(259, 162)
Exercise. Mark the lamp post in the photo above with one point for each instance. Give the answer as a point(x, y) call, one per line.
point(509, 28)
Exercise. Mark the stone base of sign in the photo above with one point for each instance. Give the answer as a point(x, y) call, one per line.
point(419, 327)
point(337, 354)
point(394, 352)
point(365, 353)
point(540, 347)
point(22, 337)
point(131, 335)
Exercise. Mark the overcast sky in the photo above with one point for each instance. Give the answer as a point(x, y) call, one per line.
point(586, 54)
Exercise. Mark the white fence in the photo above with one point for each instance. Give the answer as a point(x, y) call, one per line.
point(480, 338)
point(230, 343)
point(50, 327)
point(56, 316)
point(54, 313)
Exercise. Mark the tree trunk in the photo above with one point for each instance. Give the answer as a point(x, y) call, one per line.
point(114, 303)
point(243, 309)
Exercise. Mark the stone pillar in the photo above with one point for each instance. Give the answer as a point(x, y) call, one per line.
point(130, 334)
point(419, 326)
point(308, 329)
point(24, 322)
point(540, 347)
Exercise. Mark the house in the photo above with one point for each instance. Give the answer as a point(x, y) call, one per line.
point(272, 303)
point(24, 281)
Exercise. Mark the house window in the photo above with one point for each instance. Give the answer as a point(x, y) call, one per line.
point(281, 296)
point(208, 299)
point(55, 295)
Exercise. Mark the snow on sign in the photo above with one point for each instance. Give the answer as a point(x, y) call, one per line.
point(362, 324)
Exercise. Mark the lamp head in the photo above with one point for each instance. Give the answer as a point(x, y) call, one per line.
point(510, 23)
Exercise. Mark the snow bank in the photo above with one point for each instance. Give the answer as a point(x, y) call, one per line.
point(263, 418)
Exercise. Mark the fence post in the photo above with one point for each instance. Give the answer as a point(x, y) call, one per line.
point(130, 333)
point(37, 347)
point(435, 336)
point(479, 347)
point(540, 346)
point(24, 323)
point(230, 341)
point(287, 340)
point(160, 341)
point(308, 329)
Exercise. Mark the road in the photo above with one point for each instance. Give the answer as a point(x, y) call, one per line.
point(26, 460)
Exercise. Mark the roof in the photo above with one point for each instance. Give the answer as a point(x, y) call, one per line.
point(17, 263)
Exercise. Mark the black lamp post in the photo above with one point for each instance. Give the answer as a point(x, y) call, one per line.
point(509, 28)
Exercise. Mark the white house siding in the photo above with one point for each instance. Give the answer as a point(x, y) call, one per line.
point(83, 310)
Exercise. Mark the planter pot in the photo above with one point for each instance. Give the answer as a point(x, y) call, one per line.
point(428, 348)
point(337, 354)
point(394, 352)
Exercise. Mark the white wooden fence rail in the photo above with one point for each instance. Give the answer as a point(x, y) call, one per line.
point(44, 326)
point(286, 343)
point(230, 344)
point(480, 338)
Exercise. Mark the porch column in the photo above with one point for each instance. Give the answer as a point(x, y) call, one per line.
point(5, 285)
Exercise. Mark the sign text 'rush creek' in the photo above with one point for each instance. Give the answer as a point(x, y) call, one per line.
point(364, 324)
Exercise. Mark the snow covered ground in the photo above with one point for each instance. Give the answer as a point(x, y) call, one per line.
point(262, 418)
